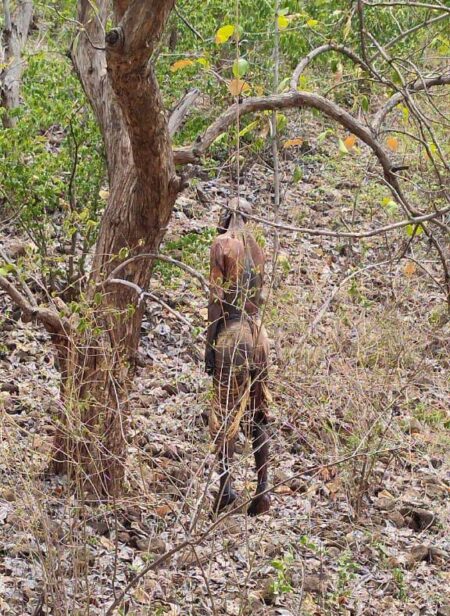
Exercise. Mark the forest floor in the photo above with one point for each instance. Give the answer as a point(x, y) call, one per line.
point(359, 440)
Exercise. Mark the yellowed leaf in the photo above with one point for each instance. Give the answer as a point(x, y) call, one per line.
point(291, 143)
point(238, 86)
point(224, 33)
point(409, 269)
point(203, 312)
point(350, 141)
point(180, 64)
point(283, 22)
point(103, 194)
point(392, 143)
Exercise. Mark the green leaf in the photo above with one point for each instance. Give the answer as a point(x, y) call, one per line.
point(365, 103)
point(297, 175)
point(283, 86)
point(240, 67)
point(390, 206)
point(410, 230)
point(249, 128)
point(342, 147)
point(97, 299)
point(124, 253)
point(326, 133)
point(281, 121)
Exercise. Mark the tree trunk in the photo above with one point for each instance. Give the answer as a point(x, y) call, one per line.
point(122, 88)
point(14, 36)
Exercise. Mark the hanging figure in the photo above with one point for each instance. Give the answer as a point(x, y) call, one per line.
point(237, 350)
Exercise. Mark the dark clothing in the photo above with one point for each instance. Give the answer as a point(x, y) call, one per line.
point(240, 342)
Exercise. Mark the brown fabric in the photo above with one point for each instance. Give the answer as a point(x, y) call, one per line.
point(236, 273)
point(240, 379)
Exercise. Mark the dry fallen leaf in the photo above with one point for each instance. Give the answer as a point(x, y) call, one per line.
point(290, 143)
point(409, 269)
point(163, 510)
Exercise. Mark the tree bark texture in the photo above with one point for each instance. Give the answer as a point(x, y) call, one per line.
point(14, 36)
point(119, 81)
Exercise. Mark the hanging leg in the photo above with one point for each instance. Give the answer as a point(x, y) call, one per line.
point(259, 407)
point(260, 502)
point(226, 494)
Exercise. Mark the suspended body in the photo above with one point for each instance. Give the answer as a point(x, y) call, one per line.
point(237, 351)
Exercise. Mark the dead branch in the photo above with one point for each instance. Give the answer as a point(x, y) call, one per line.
point(349, 234)
point(293, 99)
point(406, 33)
point(50, 319)
point(141, 294)
point(181, 109)
point(346, 51)
point(166, 259)
point(408, 3)
point(398, 97)
point(188, 24)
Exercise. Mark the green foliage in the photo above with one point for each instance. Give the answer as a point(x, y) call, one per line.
point(51, 163)
point(281, 584)
point(191, 249)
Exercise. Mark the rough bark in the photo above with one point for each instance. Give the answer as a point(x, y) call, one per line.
point(120, 83)
point(14, 36)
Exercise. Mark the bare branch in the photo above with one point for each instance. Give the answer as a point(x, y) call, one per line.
point(160, 257)
point(181, 109)
point(188, 24)
point(398, 97)
point(406, 33)
point(293, 99)
point(49, 318)
point(136, 36)
point(346, 51)
point(423, 5)
point(415, 220)
point(129, 47)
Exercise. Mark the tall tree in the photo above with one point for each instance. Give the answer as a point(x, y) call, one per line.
point(14, 36)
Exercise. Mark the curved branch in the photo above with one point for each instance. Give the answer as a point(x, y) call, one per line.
point(50, 319)
point(181, 109)
point(298, 99)
point(289, 100)
point(160, 257)
point(301, 66)
point(398, 97)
